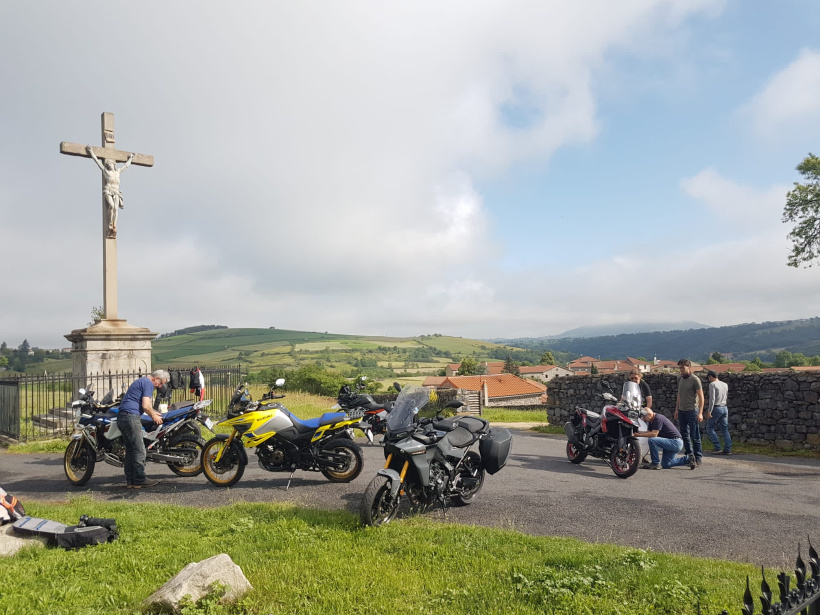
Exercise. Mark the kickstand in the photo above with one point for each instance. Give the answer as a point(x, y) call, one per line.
point(289, 479)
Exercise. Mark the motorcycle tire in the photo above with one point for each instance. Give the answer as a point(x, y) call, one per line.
point(575, 454)
point(79, 464)
point(229, 469)
point(624, 462)
point(355, 460)
point(187, 441)
point(470, 467)
point(378, 508)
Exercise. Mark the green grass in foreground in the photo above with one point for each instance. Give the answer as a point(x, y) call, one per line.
point(307, 561)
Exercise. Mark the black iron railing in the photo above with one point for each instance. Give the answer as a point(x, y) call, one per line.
point(803, 598)
point(37, 407)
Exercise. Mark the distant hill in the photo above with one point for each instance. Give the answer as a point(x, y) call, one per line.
point(745, 341)
point(647, 327)
point(267, 348)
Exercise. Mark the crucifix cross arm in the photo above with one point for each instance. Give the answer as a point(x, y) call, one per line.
point(109, 153)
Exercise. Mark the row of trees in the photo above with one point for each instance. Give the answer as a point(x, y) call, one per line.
point(16, 359)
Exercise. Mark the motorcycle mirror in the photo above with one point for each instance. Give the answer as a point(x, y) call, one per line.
point(81, 391)
point(397, 386)
point(279, 382)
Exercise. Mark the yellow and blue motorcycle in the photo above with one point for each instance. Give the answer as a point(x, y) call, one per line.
point(283, 441)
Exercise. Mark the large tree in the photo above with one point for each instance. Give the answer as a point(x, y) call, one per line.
point(547, 358)
point(468, 367)
point(803, 209)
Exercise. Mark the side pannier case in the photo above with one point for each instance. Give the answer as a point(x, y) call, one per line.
point(495, 449)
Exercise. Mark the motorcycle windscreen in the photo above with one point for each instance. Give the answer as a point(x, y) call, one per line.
point(408, 404)
point(632, 394)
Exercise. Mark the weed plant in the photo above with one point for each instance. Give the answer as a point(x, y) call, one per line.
point(308, 561)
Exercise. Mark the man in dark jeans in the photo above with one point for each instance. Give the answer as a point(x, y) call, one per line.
point(136, 401)
point(689, 409)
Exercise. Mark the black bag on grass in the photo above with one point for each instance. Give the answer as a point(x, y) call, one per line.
point(89, 531)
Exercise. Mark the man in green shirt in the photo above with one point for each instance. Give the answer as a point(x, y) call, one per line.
point(689, 409)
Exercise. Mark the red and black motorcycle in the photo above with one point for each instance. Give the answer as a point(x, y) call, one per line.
point(362, 406)
point(608, 435)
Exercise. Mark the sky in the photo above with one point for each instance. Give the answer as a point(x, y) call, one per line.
point(470, 168)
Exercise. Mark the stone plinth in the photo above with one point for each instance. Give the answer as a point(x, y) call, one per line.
point(110, 346)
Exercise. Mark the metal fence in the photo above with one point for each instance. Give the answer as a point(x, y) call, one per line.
point(804, 597)
point(39, 407)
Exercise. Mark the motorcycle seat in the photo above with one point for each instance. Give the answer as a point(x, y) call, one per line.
point(175, 413)
point(178, 405)
point(328, 418)
point(593, 415)
point(366, 402)
point(460, 437)
point(470, 423)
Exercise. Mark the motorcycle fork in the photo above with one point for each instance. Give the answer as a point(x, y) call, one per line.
point(403, 472)
point(227, 446)
point(85, 439)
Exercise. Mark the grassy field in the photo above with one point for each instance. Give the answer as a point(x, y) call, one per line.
point(307, 561)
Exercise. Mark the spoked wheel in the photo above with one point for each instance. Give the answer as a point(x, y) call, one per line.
point(470, 472)
point(229, 469)
point(347, 458)
point(624, 462)
point(192, 445)
point(378, 507)
point(79, 462)
point(575, 454)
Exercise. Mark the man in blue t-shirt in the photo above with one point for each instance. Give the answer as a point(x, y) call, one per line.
point(136, 401)
point(663, 435)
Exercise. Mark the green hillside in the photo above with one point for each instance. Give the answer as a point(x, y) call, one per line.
point(268, 348)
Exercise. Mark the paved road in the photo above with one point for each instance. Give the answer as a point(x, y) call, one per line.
point(745, 508)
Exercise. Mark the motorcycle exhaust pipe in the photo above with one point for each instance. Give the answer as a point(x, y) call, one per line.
point(112, 460)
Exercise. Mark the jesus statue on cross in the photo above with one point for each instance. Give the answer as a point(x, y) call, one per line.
point(111, 187)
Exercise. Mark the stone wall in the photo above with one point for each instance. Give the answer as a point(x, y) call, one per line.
point(771, 409)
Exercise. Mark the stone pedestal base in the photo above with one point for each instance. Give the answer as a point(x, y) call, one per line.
point(110, 347)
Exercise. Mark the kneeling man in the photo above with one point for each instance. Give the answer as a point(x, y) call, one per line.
point(663, 435)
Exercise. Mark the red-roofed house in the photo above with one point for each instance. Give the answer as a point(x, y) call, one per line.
point(544, 373)
point(433, 381)
point(721, 368)
point(500, 390)
point(490, 367)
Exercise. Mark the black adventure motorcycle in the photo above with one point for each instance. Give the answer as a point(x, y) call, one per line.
point(429, 461)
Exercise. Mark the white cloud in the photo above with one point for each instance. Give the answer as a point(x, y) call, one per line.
point(790, 101)
point(739, 207)
point(312, 160)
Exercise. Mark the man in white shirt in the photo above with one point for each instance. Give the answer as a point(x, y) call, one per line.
point(718, 414)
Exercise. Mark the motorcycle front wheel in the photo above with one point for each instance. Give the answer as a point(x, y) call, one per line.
point(190, 443)
point(471, 469)
point(353, 461)
point(624, 462)
point(575, 454)
point(228, 470)
point(79, 462)
point(378, 507)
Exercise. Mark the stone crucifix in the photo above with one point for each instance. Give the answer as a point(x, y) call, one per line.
point(112, 200)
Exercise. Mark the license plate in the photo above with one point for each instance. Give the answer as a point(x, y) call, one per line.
point(209, 424)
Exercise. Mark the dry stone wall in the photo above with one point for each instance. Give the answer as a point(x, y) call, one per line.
point(771, 409)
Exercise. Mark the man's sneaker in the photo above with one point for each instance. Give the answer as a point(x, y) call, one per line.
point(697, 461)
point(692, 463)
point(148, 483)
point(651, 466)
point(717, 451)
point(725, 452)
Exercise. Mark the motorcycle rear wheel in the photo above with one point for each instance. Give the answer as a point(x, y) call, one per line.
point(353, 465)
point(187, 442)
point(575, 454)
point(624, 462)
point(228, 470)
point(79, 464)
point(378, 508)
point(470, 467)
